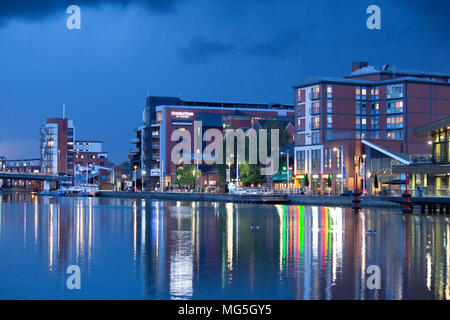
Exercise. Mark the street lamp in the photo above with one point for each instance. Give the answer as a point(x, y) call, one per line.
point(341, 155)
point(364, 171)
point(287, 170)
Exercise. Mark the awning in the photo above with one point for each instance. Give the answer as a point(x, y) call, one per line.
point(281, 176)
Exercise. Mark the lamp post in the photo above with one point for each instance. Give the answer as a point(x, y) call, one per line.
point(134, 178)
point(287, 170)
point(364, 172)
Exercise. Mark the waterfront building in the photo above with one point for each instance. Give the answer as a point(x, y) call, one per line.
point(20, 166)
point(431, 178)
point(163, 115)
point(90, 153)
point(90, 159)
point(57, 142)
point(355, 127)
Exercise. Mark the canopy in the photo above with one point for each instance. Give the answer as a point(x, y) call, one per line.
point(281, 176)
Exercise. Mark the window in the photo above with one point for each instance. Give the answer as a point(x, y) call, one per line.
point(329, 92)
point(358, 93)
point(339, 158)
point(300, 160)
point(315, 108)
point(394, 122)
point(315, 159)
point(361, 122)
point(375, 108)
point(394, 135)
point(375, 123)
point(394, 91)
point(327, 158)
point(315, 93)
point(394, 107)
point(329, 107)
point(315, 123)
point(375, 135)
point(315, 137)
point(301, 95)
point(329, 121)
point(375, 93)
point(361, 108)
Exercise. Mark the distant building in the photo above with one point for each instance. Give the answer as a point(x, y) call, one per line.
point(89, 153)
point(151, 157)
point(90, 159)
point(353, 127)
point(57, 142)
point(18, 166)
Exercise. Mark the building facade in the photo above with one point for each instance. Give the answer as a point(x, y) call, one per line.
point(57, 143)
point(163, 115)
point(433, 178)
point(378, 105)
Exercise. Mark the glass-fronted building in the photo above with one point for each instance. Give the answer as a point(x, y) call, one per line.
point(432, 178)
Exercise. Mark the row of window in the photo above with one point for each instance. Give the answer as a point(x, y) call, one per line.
point(392, 92)
point(316, 159)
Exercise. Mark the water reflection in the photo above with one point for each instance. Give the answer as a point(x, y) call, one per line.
point(176, 250)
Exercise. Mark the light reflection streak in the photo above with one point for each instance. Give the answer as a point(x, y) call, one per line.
point(230, 235)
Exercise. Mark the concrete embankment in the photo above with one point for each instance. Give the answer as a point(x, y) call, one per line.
point(338, 201)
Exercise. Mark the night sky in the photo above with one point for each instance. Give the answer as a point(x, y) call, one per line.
point(235, 50)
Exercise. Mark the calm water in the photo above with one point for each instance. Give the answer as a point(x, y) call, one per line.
point(140, 249)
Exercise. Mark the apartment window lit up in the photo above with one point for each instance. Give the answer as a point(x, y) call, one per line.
point(329, 122)
point(394, 91)
point(329, 92)
point(375, 93)
point(315, 123)
point(327, 158)
point(394, 122)
point(315, 93)
point(315, 108)
point(329, 107)
point(394, 107)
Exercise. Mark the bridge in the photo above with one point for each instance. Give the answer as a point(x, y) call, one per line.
point(28, 176)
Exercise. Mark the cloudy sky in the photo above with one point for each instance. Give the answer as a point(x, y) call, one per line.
point(230, 50)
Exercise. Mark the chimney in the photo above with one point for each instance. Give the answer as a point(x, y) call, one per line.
point(358, 65)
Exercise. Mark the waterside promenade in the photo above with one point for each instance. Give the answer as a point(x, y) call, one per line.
point(368, 202)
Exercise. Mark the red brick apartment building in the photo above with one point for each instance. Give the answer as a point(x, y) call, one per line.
point(367, 119)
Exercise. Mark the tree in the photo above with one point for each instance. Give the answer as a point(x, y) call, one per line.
point(188, 175)
point(251, 174)
point(126, 167)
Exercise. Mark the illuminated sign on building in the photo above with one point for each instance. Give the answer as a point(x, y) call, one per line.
point(182, 114)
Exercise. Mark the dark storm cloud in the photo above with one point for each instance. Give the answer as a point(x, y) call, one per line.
point(38, 9)
point(278, 46)
point(434, 11)
point(200, 50)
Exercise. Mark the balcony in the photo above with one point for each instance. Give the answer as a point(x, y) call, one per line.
point(314, 110)
point(314, 95)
